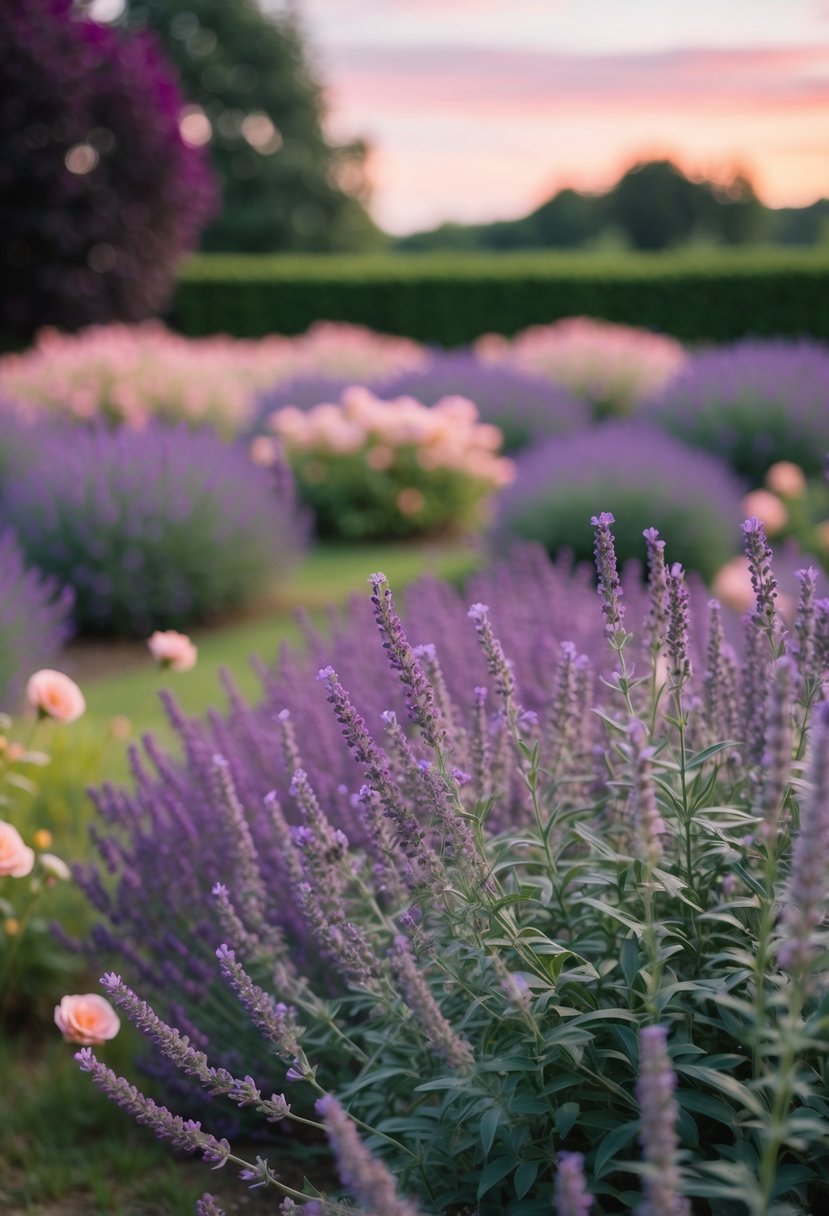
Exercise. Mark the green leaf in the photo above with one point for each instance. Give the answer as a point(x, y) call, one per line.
point(619, 1138)
point(488, 1128)
point(493, 1173)
point(629, 959)
point(565, 1117)
point(525, 1176)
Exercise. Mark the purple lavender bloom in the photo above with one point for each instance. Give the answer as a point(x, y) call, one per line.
point(362, 1174)
point(643, 477)
point(571, 1195)
point(805, 906)
point(207, 1206)
point(525, 408)
point(34, 621)
point(754, 402)
point(655, 1094)
point(155, 528)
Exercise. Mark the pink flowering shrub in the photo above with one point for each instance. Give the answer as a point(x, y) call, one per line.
point(614, 367)
point(133, 373)
point(370, 468)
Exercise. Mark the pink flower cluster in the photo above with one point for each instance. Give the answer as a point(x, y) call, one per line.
point(614, 366)
point(447, 435)
point(132, 373)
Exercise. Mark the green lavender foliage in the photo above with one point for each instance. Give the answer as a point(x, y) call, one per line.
point(492, 989)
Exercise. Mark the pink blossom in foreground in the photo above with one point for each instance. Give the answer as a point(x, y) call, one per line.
point(768, 508)
point(54, 695)
point(16, 858)
point(173, 650)
point(87, 1019)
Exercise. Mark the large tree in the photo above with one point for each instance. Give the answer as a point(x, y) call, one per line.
point(256, 102)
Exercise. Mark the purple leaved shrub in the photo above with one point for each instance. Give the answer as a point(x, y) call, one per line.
point(645, 477)
point(487, 916)
point(158, 528)
point(99, 195)
point(34, 621)
point(178, 833)
point(525, 408)
point(753, 403)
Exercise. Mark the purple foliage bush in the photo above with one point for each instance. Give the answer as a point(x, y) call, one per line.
point(158, 528)
point(753, 403)
point(553, 945)
point(156, 917)
point(99, 195)
point(524, 407)
point(645, 477)
point(34, 621)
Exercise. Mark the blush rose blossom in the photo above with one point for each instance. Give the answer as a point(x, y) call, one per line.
point(173, 650)
point(16, 858)
point(54, 695)
point(87, 1019)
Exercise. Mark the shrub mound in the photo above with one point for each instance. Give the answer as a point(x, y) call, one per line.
point(369, 468)
point(615, 990)
point(525, 408)
point(157, 528)
point(754, 403)
point(35, 617)
point(613, 367)
point(644, 476)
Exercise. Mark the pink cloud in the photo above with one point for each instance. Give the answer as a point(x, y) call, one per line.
point(484, 79)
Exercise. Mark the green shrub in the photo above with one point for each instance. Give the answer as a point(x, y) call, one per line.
point(450, 300)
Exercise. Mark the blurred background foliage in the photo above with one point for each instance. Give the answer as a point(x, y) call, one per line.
point(255, 100)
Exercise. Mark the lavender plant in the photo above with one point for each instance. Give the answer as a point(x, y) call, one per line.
point(34, 620)
point(755, 403)
point(644, 476)
point(601, 983)
point(156, 528)
point(524, 407)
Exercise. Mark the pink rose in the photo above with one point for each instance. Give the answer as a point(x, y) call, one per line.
point(54, 695)
point(89, 1019)
point(786, 478)
point(768, 508)
point(173, 650)
point(16, 858)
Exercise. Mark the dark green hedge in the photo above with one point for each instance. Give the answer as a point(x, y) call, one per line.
point(452, 299)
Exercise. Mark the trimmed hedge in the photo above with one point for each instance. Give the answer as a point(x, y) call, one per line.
point(451, 300)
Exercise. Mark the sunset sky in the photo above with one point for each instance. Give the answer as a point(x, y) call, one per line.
point(480, 109)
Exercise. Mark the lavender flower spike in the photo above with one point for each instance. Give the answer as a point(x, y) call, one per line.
point(678, 625)
point(447, 1045)
point(758, 552)
point(809, 878)
point(657, 589)
point(420, 697)
point(610, 587)
point(207, 1206)
point(185, 1134)
point(649, 823)
point(367, 1178)
point(571, 1195)
point(655, 1094)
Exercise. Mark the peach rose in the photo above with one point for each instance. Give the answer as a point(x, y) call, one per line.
point(786, 478)
point(732, 585)
point(88, 1019)
point(16, 858)
point(173, 650)
point(54, 695)
point(767, 508)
